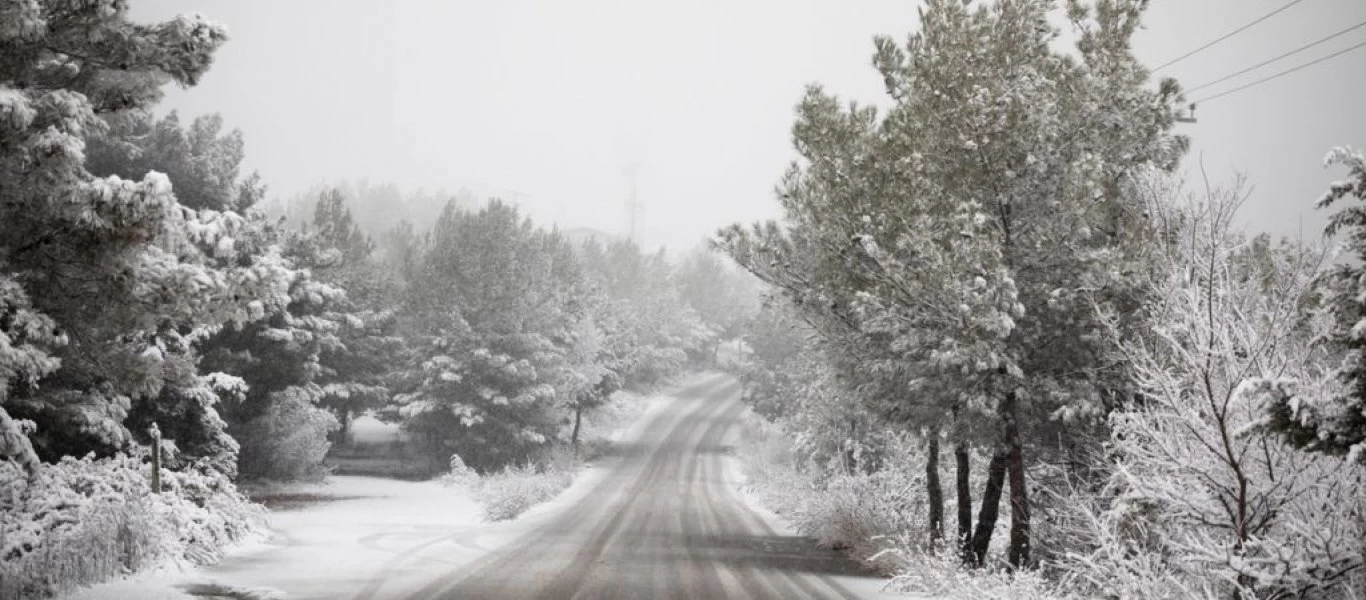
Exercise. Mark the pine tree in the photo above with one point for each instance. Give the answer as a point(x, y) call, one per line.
point(1336, 423)
point(129, 277)
point(490, 314)
point(202, 162)
point(355, 372)
point(950, 251)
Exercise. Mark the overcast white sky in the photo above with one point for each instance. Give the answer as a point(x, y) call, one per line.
point(548, 101)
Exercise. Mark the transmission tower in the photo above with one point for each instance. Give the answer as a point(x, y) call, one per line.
point(635, 159)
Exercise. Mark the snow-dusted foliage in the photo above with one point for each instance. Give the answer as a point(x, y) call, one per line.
point(87, 520)
point(492, 313)
point(592, 368)
point(117, 268)
point(278, 357)
point(726, 299)
point(942, 575)
point(1336, 423)
point(289, 439)
point(1203, 501)
point(648, 321)
point(201, 160)
point(948, 252)
point(793, 385)
point(514, 489)
point(24, 337)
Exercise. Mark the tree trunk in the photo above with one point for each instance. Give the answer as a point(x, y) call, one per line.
point(991, 500)
point(344, 433)
point(574, 437)
point(961, 456)
point(934, 490)
point(155, 432)
point(1019, 495)
point(850, 455)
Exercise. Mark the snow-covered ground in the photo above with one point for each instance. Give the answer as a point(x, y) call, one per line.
point(863, 587)
point(352, 537)
point(351, 532)
point(365, 538)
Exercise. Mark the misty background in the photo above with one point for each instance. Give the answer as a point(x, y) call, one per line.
point(552, 105)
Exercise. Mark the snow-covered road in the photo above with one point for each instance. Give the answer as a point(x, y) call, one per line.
point(661, 519)
point(664, 522)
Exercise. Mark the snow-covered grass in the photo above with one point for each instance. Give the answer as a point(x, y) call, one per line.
point(86, 521)
point(943, 576)
point(354, 533)
point(510, 492)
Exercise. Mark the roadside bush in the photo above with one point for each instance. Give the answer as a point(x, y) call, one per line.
point(85, 521)
point(510, 492)
point(866, 513)
point(943, 575)
point(289, 442)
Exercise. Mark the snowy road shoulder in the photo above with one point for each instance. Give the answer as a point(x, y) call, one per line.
point(354, 537)
point(736, 481)
point(351, 530)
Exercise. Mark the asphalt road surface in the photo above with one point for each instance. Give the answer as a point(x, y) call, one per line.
point(662, 523)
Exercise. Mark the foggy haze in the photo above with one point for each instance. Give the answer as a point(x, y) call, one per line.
point(546, 103)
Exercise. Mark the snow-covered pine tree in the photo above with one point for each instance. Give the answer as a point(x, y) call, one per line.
point(201, 160)
point(490, 314)
point(355, 372)
point(951, 250)
point(657, 329)
point(1336, 423)
point(129, 277)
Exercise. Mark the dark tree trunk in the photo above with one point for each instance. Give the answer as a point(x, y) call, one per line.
point(934, 490)
point(850, 449)
point(961, 456)
point(1019, 495)
point(991, 500)
point(344, 434)
point(578, 421)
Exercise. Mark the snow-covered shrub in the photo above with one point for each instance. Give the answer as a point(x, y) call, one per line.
point(85, 521)
point(1201, 495)
point(943, 576)
point(290, 440)
point(510, 492)
point(460, 475)
point(867, 513)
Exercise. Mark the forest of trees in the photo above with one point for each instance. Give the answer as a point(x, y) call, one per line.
point(146, 297)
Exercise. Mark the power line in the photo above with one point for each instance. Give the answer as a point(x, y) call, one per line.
point(1282, 73)
point(1278, 58)
point(1226, 36)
